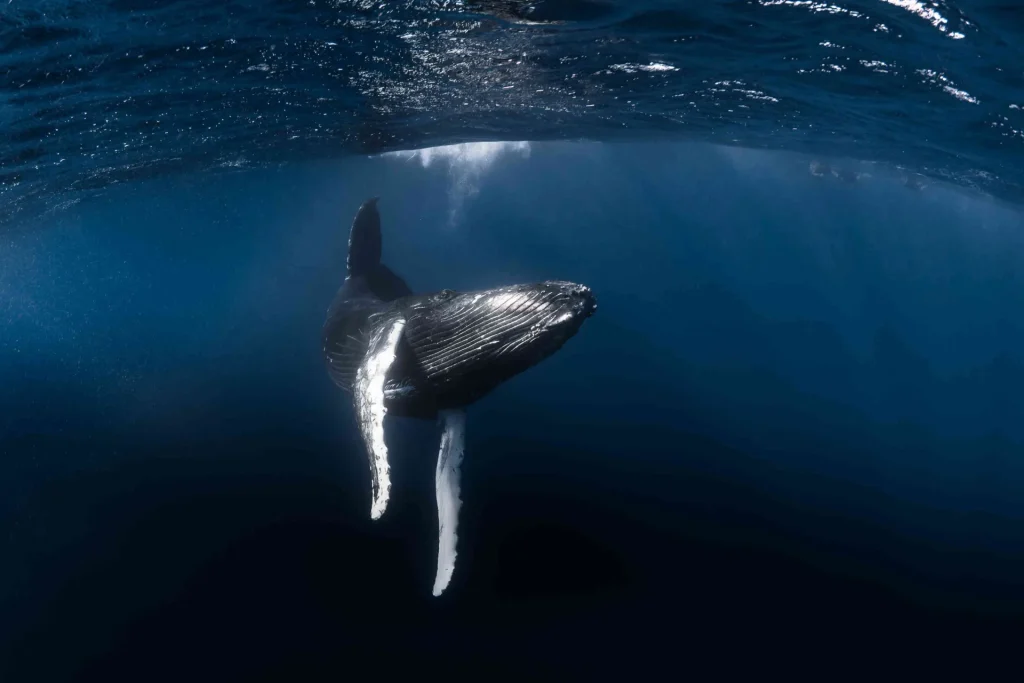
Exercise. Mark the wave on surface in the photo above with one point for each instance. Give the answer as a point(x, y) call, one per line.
point(98, 93)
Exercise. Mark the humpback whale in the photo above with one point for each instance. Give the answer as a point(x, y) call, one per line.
point(429, 356)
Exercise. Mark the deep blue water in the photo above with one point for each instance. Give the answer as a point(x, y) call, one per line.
point(790, 441)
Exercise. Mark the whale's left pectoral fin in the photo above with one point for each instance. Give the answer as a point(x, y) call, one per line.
point(368, 395)
point(446, 480)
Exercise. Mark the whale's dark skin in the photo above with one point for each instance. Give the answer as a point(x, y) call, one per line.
point(455, 347)
point(431, 355)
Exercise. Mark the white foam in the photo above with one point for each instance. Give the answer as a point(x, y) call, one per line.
point(814, 6)
point(653, 67)
point(927, 12)
point(446, 480)
point(947, 85)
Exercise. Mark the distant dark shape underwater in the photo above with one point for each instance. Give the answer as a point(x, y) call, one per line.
point(429, 356)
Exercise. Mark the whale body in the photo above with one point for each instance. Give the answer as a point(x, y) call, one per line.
point(429, 356)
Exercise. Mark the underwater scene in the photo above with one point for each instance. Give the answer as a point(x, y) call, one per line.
point(553, 340)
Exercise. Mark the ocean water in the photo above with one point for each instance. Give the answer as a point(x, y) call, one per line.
point(789, 442)
point(98, 93)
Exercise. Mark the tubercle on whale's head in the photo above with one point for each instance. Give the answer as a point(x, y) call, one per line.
point(579, 297)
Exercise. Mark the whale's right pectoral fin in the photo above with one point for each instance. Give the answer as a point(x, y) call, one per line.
point(368, 395)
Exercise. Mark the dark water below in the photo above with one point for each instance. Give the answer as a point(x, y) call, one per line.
point(94, 93)
point(789, 441)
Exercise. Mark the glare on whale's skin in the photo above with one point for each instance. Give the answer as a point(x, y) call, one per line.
point(429, 356)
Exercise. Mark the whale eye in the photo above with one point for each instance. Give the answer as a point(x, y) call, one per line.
point(446, 294)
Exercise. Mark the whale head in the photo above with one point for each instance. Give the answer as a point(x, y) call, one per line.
point(468, 343)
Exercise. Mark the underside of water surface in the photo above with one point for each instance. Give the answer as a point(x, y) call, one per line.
point(97, 93)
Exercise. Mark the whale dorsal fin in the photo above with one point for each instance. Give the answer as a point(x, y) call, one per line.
point(364, 251)
point(368, 396)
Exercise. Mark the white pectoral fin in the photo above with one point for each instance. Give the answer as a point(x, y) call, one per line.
point(446, 479)
point(368, 396)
